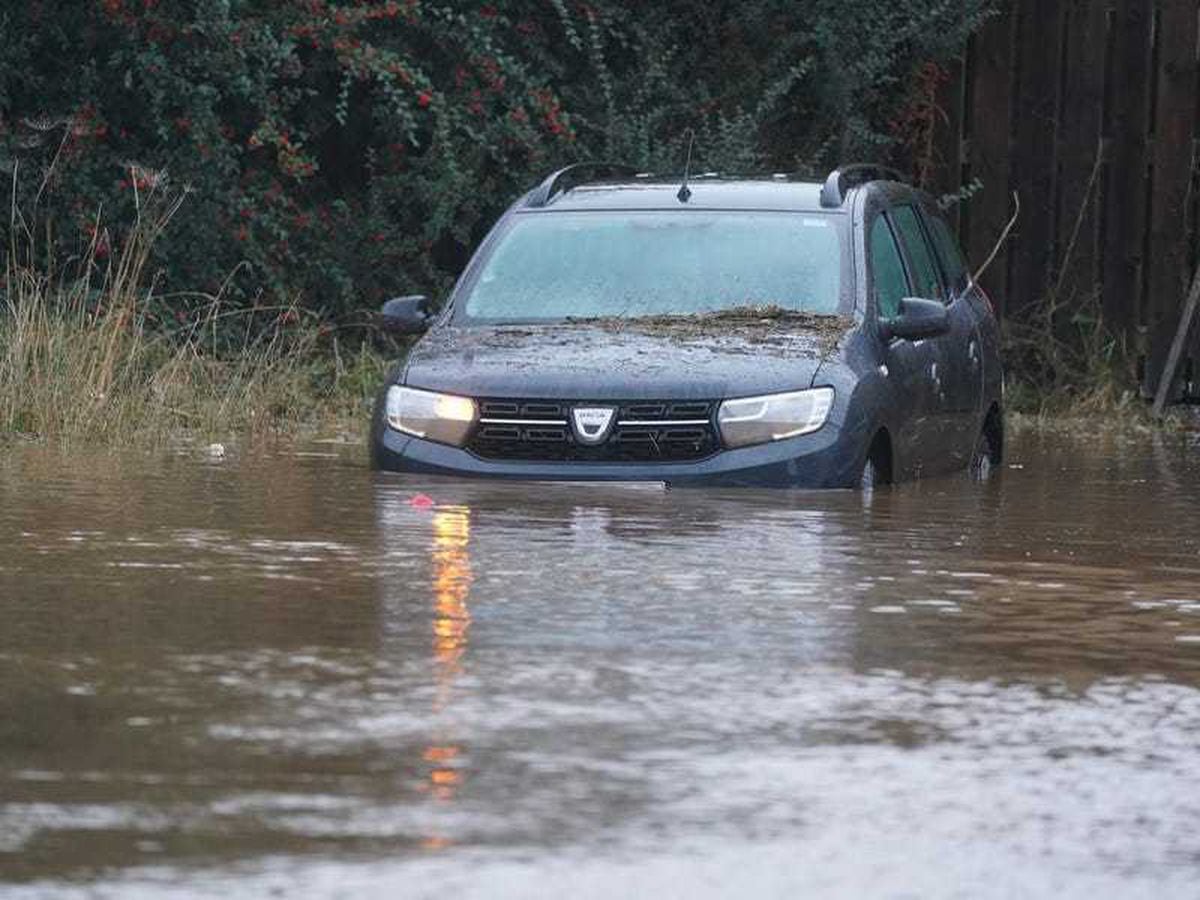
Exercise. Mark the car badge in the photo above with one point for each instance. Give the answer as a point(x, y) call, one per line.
point(592, 424)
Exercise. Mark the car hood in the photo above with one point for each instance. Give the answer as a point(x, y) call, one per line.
point(589, 362)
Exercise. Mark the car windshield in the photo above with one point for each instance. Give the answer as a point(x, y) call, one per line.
point(553, 266)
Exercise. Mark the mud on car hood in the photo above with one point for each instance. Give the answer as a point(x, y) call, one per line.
point(588, 361)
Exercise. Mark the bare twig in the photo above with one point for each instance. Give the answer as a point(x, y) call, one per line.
point(49, 173)
point(1003, 237)
point(11, 249)
point(1087, 196)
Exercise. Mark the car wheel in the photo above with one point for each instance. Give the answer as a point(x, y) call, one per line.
point(982, 466)
point(877, 468)
point(870, 476)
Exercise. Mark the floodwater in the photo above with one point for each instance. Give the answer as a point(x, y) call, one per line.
point(289, 676)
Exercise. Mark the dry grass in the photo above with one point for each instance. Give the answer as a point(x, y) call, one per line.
point(1062, 359)
point(1065, 364)
point(83, 358)
point(1067, 370)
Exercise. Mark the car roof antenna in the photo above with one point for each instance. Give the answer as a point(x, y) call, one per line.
point(685, 192)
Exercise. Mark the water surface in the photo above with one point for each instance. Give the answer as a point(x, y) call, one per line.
point(288, 675)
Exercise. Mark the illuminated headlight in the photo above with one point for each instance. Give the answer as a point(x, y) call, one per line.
point(758, 420)
point(444, 418)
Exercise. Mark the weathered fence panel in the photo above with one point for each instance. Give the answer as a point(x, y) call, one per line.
point(1173, 126)
point(1125, 185)
point(989, 112)
point(1039, 42)
point(1080, 153)
point(1090, 111)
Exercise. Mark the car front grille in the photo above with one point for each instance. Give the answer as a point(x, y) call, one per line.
point(643, 431)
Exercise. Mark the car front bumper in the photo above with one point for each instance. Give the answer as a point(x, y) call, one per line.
point(827, 458)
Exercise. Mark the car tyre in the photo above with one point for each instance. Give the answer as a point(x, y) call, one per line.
point(875, 471)
point(869, 478)
point(983, 460)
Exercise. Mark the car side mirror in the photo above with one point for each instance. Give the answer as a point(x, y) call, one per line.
point(406, 315)
point(916, 320)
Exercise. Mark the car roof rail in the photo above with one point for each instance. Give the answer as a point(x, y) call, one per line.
point(576, 174)
point(843, 178)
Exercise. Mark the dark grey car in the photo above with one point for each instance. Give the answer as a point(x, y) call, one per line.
point(746, 331)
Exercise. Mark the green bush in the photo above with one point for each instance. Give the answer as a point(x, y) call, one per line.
point(343, 152)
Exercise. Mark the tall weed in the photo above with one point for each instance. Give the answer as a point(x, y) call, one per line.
point(86, 355)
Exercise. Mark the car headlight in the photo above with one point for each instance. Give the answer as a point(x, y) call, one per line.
point(445, 418)
point(758, 420)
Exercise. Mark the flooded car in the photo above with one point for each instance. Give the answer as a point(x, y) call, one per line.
point(735, 332)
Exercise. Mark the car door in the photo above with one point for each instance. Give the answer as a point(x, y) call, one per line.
point(912, 404)
point(956, 398)
point(966, 317)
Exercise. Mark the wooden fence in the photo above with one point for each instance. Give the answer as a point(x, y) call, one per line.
point(1088, 111)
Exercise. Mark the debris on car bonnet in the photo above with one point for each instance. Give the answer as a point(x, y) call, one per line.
point(744, 321)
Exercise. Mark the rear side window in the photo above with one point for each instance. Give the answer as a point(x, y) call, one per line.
point(953, 263)
point(928, 283)
point(887, 270)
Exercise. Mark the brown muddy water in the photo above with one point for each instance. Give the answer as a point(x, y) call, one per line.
point(282, 676)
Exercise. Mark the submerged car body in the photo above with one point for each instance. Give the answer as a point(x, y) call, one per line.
point(761, 332)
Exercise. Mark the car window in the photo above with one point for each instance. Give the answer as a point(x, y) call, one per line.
point(953, 263)
point(559, 265)
point(887, 270)
point(927, 281)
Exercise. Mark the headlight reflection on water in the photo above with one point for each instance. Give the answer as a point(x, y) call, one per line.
point(451, 626)
point(451, 587)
